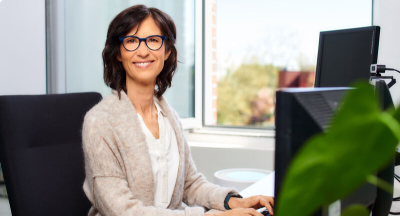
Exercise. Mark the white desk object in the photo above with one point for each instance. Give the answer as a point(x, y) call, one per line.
point(239, 178)
point(263, 187)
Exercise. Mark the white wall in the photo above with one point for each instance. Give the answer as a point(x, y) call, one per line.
point(387, 16)
point(22, 47)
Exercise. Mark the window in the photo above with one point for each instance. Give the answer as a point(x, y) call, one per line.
point(254, 47)
point(77, 36)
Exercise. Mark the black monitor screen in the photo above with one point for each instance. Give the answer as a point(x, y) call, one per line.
point(345, 56)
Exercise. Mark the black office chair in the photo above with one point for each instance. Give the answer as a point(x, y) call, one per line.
point(41, 153)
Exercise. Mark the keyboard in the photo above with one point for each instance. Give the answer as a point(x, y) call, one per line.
point(264, 211)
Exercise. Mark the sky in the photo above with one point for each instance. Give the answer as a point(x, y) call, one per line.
point(281, 31)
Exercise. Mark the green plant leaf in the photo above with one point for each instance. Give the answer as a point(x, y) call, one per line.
point(360, 141)
point(396, 114)
point(355, 210)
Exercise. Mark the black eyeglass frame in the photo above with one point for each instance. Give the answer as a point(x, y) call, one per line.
point(142, 39)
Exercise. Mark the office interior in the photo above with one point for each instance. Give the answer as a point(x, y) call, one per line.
point(23, 71)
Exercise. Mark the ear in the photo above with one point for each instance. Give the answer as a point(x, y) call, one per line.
point(119, 58)
point(167, 55)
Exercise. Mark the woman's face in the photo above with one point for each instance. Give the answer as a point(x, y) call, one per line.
point(143, 65)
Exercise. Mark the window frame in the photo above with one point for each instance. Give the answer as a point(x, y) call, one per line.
point(197, 120)
point(55, 46)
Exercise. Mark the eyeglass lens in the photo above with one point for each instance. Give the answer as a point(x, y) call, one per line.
point(153, 43)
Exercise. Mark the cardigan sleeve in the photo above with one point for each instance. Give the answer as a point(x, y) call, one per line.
point(106, 185)
point(197, 190)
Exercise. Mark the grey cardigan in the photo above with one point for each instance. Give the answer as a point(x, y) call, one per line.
point(119, 177)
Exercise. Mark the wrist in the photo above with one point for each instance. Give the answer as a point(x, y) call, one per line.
point(234, 202)
point(228, 204)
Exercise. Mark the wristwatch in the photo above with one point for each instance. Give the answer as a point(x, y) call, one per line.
point(228, 197)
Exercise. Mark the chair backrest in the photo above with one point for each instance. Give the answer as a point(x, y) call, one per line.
point(41, 153)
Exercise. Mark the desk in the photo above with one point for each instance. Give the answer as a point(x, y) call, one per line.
point(263, 187)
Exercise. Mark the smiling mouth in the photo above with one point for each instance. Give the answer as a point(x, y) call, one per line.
point(143, 63)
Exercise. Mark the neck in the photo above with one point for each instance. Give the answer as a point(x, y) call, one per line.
point(141, 97)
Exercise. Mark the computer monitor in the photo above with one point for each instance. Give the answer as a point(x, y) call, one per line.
point(300, 114)
point(345, 56)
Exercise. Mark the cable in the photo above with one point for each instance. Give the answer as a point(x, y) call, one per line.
point(375, 68)
point(392, 69)
point(397, 177)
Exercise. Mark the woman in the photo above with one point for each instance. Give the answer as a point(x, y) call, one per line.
point(137, 159)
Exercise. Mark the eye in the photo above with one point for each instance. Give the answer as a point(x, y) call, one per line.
point(131, 40)
point(153, 40)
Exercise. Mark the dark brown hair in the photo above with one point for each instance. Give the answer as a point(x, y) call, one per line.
point(122, 24)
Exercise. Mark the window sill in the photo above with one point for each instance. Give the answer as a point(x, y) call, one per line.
point(235, 138)
point(266, 133)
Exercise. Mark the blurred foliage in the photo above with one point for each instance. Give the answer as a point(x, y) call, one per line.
point(246, 95)
point(356, 209)
point(333, 164)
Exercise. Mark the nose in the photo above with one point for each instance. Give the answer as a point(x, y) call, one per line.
point(142, 50)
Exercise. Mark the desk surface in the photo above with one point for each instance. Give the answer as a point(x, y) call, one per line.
point(266, 187)
point(263, 187)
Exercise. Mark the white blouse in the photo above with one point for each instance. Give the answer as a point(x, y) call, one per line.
point(164, 155)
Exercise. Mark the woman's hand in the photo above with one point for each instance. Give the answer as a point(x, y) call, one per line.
point(238, 212)
point(255, 202)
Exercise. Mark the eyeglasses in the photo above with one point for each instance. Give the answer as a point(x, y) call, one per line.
point(153, 42)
